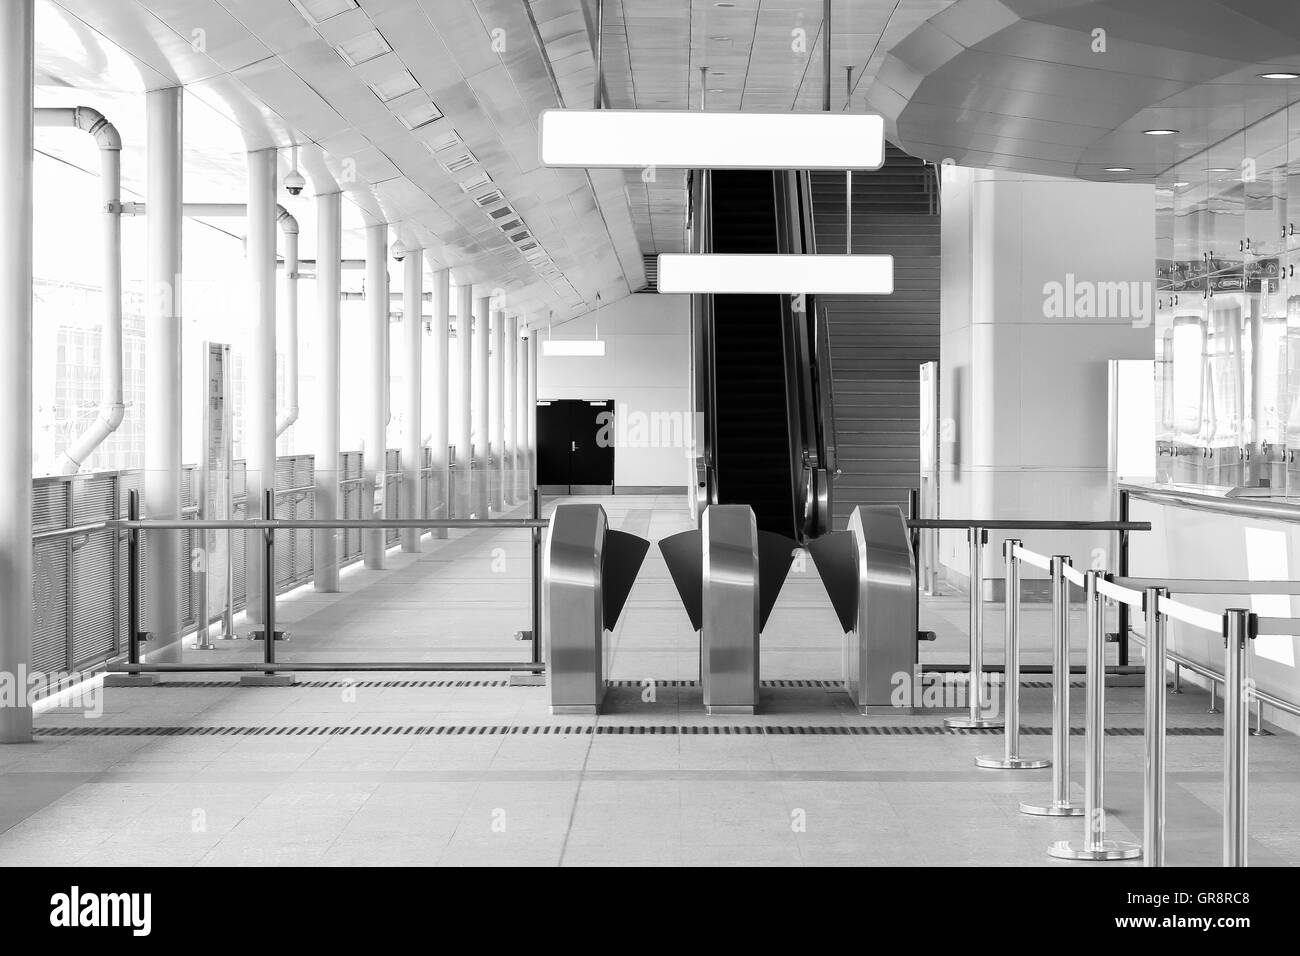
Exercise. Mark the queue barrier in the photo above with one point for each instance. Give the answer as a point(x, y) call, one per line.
point(269, 670)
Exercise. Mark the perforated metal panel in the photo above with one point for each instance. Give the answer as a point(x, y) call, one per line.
point(96, 571)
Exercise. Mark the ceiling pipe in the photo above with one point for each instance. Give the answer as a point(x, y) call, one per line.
point(289, 229)
point(112, 407)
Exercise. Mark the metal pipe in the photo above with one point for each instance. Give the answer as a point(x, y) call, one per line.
point(112, 407)
point(1153, 788)
point(375, 451)
point(481, 401)
point(1094, 845)
point(1060, 805)
point(994, 524)
point(977, 717)
point(1122, 568)
point(1011, 759)
point(259, 400)
point(439, 407)
point(289, 229)
point(536, 578)
point(162, 331)
point(463, 437)
point(1238, 629)
point(597, 96)
point(268, 582)
point(496, 411)
point(317, 666)
point(329, 382)
point(522, 486)
point(357, 524)
point(826, 55)
point(76, 531)
point(133, 580)
point(532, 409)
point(509, 407)
point(412, 493)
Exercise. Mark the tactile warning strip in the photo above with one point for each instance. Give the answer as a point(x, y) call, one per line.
point(489, 682)
point(559, 730)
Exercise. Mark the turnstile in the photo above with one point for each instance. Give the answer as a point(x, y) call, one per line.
point(587, 574)
point(870, 575)
point(728, 575)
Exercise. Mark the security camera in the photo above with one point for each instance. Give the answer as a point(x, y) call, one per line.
point(399, 251)
point(295, 183)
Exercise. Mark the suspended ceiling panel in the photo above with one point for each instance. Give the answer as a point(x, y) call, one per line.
point(422, 111)
point(1069, 87)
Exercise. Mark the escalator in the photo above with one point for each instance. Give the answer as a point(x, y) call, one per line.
point(757, 374)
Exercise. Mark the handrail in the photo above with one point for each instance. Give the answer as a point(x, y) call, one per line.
point(1016, 524)
point(326, 524)
point(76, 531)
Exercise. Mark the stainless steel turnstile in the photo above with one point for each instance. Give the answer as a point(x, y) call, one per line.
point(870, 574)
point(587, 573)
point(728, 575)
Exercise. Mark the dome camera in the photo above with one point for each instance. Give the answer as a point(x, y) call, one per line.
point(295, 183)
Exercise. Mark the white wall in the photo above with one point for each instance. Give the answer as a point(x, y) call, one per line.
point(1023, 392)
point(646, 372)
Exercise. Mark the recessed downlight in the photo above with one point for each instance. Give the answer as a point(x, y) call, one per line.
point(1280, 75)
point(1160, 132)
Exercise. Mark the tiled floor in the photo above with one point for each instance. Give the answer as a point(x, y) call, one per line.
point(471, 771)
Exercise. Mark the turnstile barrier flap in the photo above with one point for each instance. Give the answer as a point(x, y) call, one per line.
point(684, 555)
point(835, 555)
point(775, 555)
point(620, 563)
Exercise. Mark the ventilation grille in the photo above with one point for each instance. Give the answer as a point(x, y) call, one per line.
point(651, 264)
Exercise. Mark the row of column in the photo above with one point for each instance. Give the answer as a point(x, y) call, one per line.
point(496, 416)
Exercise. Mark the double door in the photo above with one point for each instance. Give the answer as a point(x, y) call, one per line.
point(575, 447)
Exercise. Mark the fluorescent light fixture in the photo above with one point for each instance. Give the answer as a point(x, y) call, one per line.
point(320, 10)
point(776, 274)
point(1279, 76)
point(573, 347)
point(627, 139)
point(398, 84)
point(1119, 169)
point(363, 47)
point(1160, 132)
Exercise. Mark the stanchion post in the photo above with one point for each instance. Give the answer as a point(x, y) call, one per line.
point(1238, 629)
point(537, 581)
point(976, 538)
point(1011, 759)
point(1122, 568)
point(268, 580)
point(1060, 806)
point(133, 580)
point(1153, 780)
point(1094, 845)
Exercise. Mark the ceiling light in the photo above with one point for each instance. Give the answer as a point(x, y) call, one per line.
point(573, 348)
point(674, 139)
point(1160, 132)
point(391, 87)
point(1119, 169)
point(363, 47)
point(1220, 169)
point(717, 91)
point(1179, 185)
point(320, 10)
point(1279, 76)
point(721, 39)
point(724, 273)
point(724, 4)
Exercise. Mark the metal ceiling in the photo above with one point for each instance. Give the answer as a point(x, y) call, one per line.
point(467, 184)
point(1026, 84)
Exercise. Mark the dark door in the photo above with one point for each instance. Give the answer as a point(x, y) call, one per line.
point(575, 447)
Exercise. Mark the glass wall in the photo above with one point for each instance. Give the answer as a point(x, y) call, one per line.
point(1227, 316)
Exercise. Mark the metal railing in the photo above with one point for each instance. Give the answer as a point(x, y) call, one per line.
point(135, 526)
point(1151, 596)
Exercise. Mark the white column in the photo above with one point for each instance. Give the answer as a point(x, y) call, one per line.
point(510, 375)
point(481, 400)
point(329, 258)
point(464, 416)
point(16, 59)
point(259, 399)
point(376, 436)
point(532, 410)
point(497, 411)
point(523, 488)
point(412, 495)
point(437, 380)
point(162, 387)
